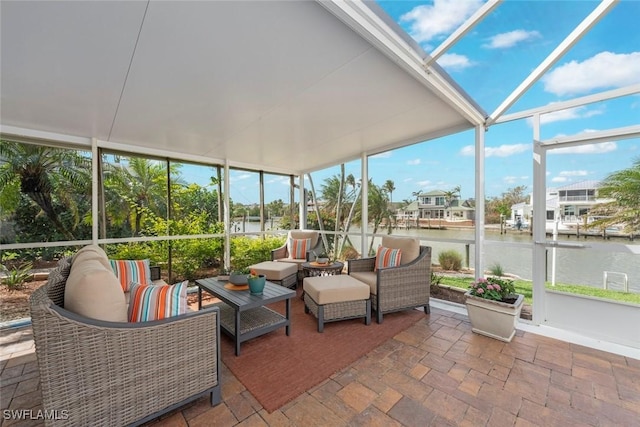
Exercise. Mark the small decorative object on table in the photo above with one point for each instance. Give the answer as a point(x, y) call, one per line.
point(323, 258)
point(494, 307)
point(256, 283)
point(238, 277)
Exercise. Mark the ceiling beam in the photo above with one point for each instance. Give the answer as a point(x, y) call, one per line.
point(462, 30)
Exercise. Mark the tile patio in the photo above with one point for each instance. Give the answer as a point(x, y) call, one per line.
point(436, 373)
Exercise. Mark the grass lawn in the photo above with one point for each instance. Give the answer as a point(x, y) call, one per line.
point(524, 287)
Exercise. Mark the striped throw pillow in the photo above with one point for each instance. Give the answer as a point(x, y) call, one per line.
point(387, 257)
point(155, 302)
point(131, 271)
point(298, 248)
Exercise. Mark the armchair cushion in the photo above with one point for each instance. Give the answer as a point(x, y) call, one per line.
point(152, 302)
point(387, 257)
point(131, 271)
point(368, 277)
point(305, 234)
point(298, 248)
point(93, 291)
point(410, 247)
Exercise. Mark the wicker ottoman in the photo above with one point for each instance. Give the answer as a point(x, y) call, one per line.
point(282, 273)
point(333, 298)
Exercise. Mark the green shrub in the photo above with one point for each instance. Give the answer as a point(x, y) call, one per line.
point(16, 276)
point(435, 280)
point(496, 270)
point(450, 260)
point(246, 251)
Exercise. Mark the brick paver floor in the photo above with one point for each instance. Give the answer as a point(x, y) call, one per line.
point(436, 373)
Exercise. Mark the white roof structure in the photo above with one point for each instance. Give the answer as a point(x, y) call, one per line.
point(327, 81)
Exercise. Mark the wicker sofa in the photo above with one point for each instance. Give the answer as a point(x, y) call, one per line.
point(120, 373)
point(401, 287)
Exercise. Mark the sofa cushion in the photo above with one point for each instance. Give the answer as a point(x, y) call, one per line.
point(92, 252)
point(387, 257)
point(298, 248)
point(93, 291)
point(131, 271)
point(150, 302)
point(409, 246)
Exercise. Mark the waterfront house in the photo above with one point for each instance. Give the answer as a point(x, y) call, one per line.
point(570, 205)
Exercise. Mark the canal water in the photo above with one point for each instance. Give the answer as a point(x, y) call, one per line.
point(573, 266)
point(513, 251)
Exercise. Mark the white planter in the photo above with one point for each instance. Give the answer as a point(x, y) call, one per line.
point(494, 319)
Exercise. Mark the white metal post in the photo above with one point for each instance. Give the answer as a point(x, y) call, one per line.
point(302, 208)
point(95, 214)
point(364, 173)
point(227, 218)
point(479, 232)
point(539, 224)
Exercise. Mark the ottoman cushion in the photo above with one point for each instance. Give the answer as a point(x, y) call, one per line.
point(275, 270)
point(331, 289)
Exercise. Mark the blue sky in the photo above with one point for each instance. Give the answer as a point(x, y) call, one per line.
point(489, 63)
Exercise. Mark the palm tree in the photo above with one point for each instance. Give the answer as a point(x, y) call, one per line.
point(449, 197)
point(45, 175)
point(378, 209)
point(138, 188)
point(624, 188)
point(389, 186)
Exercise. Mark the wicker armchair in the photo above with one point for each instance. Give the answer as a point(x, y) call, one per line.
point(396, 288)
point(282, 253)
point(108, 373)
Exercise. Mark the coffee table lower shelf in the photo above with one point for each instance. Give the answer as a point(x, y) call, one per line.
point(253, 323)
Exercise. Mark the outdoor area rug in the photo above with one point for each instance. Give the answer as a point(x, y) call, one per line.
point(277, 368)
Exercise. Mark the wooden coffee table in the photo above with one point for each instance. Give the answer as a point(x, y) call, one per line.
point(244, 316)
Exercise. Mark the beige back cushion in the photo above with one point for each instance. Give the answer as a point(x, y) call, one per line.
point(93, 291)
point(410, 247)
point(305, 234)
point(92, 252)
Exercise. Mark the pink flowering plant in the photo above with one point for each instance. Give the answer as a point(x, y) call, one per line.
point(493, 288)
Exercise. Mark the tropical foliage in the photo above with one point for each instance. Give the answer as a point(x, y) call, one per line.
point(55, 182)
point(45, 195)
point(623, 188)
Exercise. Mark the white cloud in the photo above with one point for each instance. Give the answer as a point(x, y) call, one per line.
point(407, 180)
point(278, 180)
point(510, 39)
point(424, 183)
point(384, 155)
point(454, 62)
point(559, 179)
point(468, 150)
point(573, 173)
point(514, 179)
point(568, 114)
point(603, 147)
point(240, 177)
point(505, 150)
point(602, 71)
point(413, 162)
point(440, 19)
